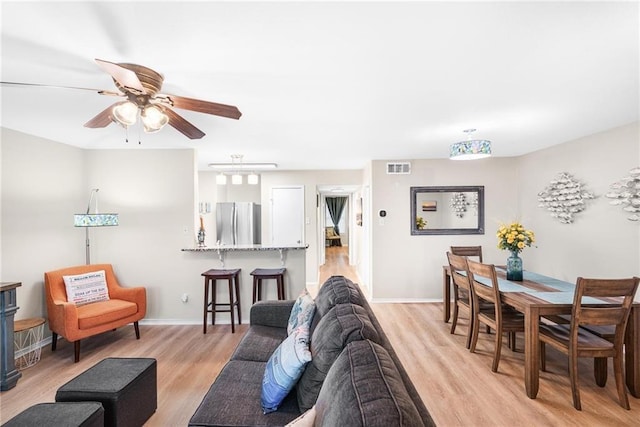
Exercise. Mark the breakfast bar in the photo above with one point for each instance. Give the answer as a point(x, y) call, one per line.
point(248, 258)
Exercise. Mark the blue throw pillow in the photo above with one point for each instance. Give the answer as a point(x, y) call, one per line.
point(284, 368)
point(302, 312)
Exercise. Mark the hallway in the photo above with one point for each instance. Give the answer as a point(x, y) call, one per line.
point(337, 263)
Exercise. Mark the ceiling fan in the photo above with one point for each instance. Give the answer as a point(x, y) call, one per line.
point(141, 86)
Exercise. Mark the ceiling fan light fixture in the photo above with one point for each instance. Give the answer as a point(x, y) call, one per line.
point(471, 149)
point(153, 118)
point(125, 113)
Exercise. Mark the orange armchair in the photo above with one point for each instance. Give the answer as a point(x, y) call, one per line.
point(125, 305)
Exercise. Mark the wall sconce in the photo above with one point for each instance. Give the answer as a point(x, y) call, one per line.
point(96, 219)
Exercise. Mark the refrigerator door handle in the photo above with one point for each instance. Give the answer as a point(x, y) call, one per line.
point(234, 224)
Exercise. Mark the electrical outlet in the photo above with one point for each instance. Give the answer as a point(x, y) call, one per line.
point(185, 297)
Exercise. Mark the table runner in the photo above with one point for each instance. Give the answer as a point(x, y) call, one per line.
point(504, 285)
point(563, 297)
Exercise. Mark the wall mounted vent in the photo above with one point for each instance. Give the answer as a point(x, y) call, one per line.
point(399, 168)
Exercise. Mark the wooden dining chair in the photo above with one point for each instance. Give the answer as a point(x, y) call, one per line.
point(462, 299)
point(467, 251)
point(500, 318)
point(575, 341)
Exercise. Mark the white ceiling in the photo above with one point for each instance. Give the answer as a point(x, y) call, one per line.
point(331, 85)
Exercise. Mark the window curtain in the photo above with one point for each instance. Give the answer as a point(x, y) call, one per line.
point(336, 207)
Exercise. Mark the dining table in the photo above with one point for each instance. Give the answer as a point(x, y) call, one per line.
point(538, 296)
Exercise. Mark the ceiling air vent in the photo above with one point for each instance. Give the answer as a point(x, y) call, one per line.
point(399, 168)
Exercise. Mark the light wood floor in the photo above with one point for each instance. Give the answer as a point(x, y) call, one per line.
point(457, 387)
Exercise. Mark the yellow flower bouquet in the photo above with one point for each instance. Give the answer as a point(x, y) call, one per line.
point(514, 237)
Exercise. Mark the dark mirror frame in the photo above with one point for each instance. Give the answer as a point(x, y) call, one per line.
point(447, 189)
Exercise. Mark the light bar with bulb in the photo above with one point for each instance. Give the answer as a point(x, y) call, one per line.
point(242, 166)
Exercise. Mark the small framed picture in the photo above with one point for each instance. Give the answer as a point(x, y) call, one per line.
point(429, 206)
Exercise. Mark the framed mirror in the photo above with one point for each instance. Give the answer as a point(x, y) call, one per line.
point(447, 210)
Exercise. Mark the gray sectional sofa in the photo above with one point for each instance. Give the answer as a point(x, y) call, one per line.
point(354, 378)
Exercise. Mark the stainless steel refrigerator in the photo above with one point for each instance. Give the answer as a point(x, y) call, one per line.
point(238, 223)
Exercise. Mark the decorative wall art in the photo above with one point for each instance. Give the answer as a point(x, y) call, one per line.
point(626, 193)
point(564, 197)
point(430, 206)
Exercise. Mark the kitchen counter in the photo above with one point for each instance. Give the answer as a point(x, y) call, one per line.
point(227, 248)
point(247, 258)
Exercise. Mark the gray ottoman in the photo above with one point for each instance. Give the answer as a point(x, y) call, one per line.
point(126, 387)
point(65, 414)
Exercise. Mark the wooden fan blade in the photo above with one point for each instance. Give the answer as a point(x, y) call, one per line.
point(182, 125)
point(103, 119)
point(99, 91)
point(201, 106)
point(125, 77)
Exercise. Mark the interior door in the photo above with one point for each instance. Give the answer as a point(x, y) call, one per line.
point(287, 216)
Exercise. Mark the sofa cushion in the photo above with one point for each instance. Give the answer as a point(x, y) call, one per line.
point(284, 367)
point(341, 325)
point(259, 343)
point(234, 399)
point(302, 312)
point(86, 288)
point(336, 290)
point(364, 388)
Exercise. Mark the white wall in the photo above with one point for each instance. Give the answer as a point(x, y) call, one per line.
point(409, 268)
point(42, 187)
point(154, 192)
point(601, 242)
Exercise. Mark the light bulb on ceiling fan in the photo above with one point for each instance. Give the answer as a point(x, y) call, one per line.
point(125, 113)
point(153, 118)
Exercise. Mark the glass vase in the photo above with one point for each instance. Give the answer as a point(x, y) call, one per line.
point(514, 267)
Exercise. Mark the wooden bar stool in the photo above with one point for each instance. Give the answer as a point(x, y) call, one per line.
point(210, 278)
point(260, 274)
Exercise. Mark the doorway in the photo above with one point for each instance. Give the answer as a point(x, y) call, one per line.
point(344, 252)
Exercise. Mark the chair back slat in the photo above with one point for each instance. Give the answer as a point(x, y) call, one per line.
point(488, 271)
point(467, 251)
point(600, 316)
point(458, 267)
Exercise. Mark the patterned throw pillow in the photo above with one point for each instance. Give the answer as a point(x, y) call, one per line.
point(302, 312)
point(86, 288)
point(284, 368)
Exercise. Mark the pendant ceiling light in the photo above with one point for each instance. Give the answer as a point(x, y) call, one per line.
point(470, 149)
point(252, 179)
point(237, 168)
point(221, 179)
